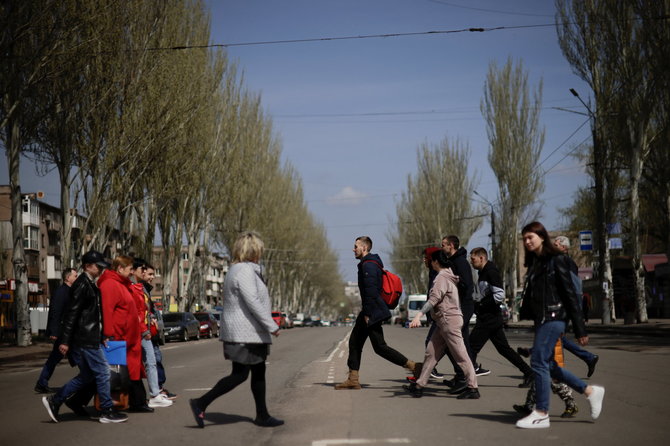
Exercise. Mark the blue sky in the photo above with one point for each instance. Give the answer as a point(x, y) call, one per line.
point(351, 113)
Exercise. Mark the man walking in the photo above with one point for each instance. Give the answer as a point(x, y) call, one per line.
point(57, 307)
point(83, 332)
point(562, 243)
point(373, 313)
point(451, 245)
point(489, 323)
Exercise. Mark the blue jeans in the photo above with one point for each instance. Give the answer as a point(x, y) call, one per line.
point(159, 366)
point(544, 366)
point(149, 360)
point(93, 366)
point(50, 365)
point(576, 350)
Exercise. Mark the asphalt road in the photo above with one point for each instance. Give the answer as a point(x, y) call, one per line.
point(304, 365)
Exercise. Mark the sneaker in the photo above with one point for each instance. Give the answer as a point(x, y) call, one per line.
point(534, 421)
point(481, 371)
point(453, 381)
point(435, 374)
point(596, 401)
point(46, 389)
point(159, 401)
point(469, 394)
point(570, 412)
point(459, 387)
point(522, 409)
point(414, 390)
point(169, 395)
point(112, 416)
point(410, 379)
point(198, 413)
point(268, 422)
point(51, 406)
point(592, 366)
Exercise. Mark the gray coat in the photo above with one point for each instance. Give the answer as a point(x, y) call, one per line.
point(247, 310)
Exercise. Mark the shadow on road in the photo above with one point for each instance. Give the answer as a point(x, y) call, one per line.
point(224, 418)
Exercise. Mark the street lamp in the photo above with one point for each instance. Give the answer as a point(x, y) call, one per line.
point(493, 224)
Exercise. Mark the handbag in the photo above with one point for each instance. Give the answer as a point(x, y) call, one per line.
point(115, 352)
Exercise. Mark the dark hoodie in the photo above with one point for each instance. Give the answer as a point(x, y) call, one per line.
point(464, 272)
point(370, 286)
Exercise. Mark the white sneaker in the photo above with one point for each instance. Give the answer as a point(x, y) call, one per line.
point(596, 401)
point(159, 401)
point(534, 421)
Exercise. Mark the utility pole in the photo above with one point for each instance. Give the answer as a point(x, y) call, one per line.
point(493, 225)
point(604, 265)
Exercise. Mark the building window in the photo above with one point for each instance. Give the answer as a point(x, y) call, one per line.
point(30, 237)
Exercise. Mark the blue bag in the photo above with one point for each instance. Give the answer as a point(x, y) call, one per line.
point(115, 351)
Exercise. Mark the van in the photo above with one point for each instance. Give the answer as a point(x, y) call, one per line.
point(415, 303)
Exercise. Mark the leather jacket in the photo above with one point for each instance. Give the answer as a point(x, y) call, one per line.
point(82, 323)
point(550, 293)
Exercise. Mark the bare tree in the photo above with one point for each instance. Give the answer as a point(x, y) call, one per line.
point(516, 140)
point(437, 203)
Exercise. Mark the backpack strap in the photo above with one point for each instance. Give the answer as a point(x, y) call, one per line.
point(375, 262)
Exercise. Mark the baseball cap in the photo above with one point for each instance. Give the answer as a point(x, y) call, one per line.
point(94, 257)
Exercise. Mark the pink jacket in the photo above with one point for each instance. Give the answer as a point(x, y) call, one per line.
point(444, 297)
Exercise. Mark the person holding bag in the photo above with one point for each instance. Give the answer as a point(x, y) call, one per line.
point(549, 300)
point(246, 329)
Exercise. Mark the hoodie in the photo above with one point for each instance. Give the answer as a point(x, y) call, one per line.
point(370, 286)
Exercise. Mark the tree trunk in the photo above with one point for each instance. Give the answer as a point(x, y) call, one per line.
point(67, 256)
point(23, 331)
point(638, 268)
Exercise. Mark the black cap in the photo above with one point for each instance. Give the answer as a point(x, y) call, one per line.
point(94, 257)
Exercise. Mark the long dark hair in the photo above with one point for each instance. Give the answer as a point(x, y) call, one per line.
point(548, 249)
point(441, 259)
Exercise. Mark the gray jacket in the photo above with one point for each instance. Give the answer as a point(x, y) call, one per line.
point(247, 311)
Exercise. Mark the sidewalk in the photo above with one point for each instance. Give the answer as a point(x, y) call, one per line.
point(655, 327)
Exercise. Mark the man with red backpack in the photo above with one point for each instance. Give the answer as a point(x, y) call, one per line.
point(373, 313)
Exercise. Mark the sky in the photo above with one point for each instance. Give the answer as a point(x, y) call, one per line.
point(350, 113)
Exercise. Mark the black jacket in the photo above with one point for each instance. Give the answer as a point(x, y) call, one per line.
point(550, 293)
point(82, 323)
point(370, 287)
point(57, 308)
point(464, 272)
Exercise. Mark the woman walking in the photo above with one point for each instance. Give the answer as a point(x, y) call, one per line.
point(550, 299)
point(246, 326)
point(119, 314)
point(443, 305)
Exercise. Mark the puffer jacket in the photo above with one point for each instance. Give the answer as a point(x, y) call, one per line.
point(550, 293)
point(82, 322)
point(370, 286)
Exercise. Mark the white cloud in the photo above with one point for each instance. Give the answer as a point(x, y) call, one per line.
point(348, 196)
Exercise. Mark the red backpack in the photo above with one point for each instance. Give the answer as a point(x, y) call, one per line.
point(391, 287)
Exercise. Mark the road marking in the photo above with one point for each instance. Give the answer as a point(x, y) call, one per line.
point(338, 441)
point(336, 349)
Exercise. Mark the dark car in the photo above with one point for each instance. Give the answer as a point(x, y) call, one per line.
point(183, 326)
point(209, 326)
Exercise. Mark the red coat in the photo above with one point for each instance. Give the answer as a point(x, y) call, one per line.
point(120, 318)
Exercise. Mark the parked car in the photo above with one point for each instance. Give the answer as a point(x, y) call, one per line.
point(209, 326)
point(299, 320)
point(289, 321)
point(181, 325)
point(279, 319)
point(415, 303)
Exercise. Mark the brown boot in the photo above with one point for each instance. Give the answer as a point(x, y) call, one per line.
point(351, 382)
point(412, 366)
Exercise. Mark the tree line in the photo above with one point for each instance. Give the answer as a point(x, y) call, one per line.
point(152, 144)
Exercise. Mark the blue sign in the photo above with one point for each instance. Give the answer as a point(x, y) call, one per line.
point(586, 240)
point(616, 243)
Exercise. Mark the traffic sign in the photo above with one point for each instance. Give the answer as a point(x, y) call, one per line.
point(586, 240)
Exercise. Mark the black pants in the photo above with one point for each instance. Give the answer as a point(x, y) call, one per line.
point(468, 309)
point(238, 376)
point(360, 333)
point(492, 329)
point(137, 394)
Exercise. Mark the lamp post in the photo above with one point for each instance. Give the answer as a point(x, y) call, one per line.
point(493, 224)
point(604, 268)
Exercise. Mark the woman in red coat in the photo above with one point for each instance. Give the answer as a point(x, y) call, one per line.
point(120, 317)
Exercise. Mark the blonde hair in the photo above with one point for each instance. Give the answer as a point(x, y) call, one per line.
point(247, 248)
point(121, 261)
